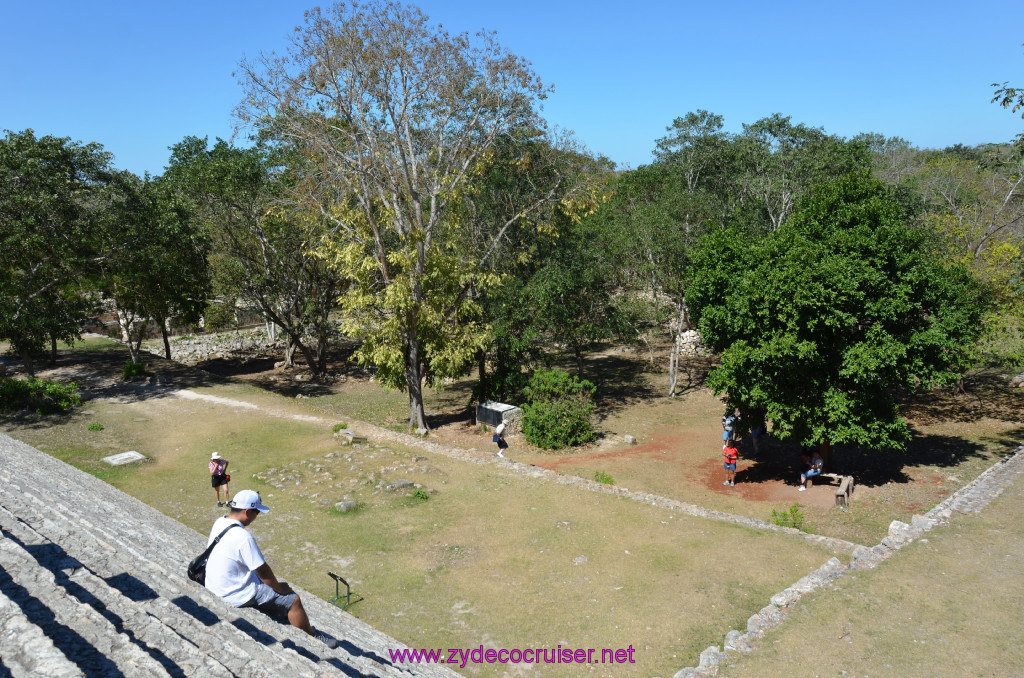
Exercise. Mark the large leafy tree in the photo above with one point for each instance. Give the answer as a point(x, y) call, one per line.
point(518, 195)
point(394, 119)
point(264, 251)
point(52, 220)
point(821, 322)
point(163, 274)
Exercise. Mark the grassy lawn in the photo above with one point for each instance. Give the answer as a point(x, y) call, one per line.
point(489, 557)
point(482, 555)
point(947, 605)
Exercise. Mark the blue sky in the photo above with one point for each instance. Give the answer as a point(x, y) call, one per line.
point(139, 76)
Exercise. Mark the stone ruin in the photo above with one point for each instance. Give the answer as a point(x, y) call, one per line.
point(92, 583)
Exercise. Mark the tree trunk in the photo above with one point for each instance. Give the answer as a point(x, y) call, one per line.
point(579, 363)
point(676, 328)
point(53, 350)
point(26, 360)
point(167, 340)
point(414, 379)
point(311, 360)
point(483, 391)
point(135, 348)
point(289, 350)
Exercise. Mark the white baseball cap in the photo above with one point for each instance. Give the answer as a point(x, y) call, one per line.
point(248, 499)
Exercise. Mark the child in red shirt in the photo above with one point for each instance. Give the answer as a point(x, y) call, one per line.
point(731, 454)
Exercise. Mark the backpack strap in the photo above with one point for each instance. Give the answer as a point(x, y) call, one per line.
point(209, 549)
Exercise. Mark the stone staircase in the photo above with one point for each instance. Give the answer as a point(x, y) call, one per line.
point(92, 584)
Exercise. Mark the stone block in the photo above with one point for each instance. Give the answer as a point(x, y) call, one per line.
point(124, 458)
point(492, 414)
point(348, 437)
point(710, 657)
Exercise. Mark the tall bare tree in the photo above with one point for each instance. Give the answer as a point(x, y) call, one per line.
point(394, 118)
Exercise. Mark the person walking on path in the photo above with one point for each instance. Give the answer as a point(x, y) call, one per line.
point(499, 437)
point(237, 571)
point(731, 454)
point(219, 476)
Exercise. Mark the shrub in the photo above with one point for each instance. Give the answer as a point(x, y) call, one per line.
point(132, 369)
point(420, 494)
point(604, 478)
point(95, 426)
point(794, 517)
point(559, 410)
point(219, 316)
point(36, 394)
point(339, 426)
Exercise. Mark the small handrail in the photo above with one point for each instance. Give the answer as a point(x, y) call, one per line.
point(338, 581)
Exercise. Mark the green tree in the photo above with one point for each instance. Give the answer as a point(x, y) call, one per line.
point(52, 219)
point(783, 161)
point(395, 119)
point(518, 195)
point(824, 319)
point(264, 250)
point(572, 295)
point(163, 273)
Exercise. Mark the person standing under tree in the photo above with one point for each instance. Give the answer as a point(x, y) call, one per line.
point(731, 454)
point(729, 425)
point(219, 476)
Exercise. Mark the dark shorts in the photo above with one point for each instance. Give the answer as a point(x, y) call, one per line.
point(217, 481)
point(730, 467)
point(270, 602)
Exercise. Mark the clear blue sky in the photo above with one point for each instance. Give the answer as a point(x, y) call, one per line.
point(139, 76)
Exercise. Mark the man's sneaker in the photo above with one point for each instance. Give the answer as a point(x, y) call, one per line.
point(726, 482)
point(326, 640)
point(220, 503)
point(802, 488)
point(732, 484)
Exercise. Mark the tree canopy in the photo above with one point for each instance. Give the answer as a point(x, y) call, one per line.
point(52, 221)
point(823, 320)
point(394, 119)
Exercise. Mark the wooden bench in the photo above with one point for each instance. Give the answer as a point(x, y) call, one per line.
point(844, 490)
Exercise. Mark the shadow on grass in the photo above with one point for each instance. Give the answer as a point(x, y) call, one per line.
point(623, 381)
point(986, 394)
point(778, 461)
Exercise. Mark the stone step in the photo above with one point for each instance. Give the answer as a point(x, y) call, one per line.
point(80, 632)
point(25, 650)
point(144, 553)
point(108, 561)
point(168, 619)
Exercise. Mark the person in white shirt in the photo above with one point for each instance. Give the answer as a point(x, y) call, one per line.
point(237, 571)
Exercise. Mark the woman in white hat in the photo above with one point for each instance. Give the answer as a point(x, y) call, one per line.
point(219, 476)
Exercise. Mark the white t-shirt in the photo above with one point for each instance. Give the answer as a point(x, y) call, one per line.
point(231, 567)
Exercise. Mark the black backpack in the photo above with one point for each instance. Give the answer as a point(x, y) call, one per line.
point(197, 568)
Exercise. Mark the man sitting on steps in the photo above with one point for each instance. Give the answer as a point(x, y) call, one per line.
point(237, 572)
